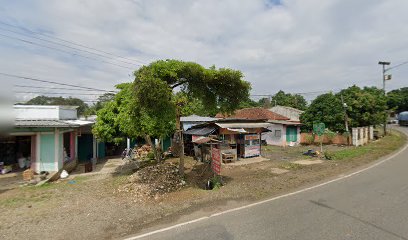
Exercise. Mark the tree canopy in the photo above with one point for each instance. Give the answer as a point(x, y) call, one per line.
point(45, 100)
point(289, 100)
point(102, 100)
point(326, 108)
point(364, 106)
point(147, 107)
point(398, 100)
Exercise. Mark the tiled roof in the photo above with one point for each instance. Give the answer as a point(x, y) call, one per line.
point(254, 114)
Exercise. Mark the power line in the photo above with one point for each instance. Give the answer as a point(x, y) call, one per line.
point(403, 63)
point(57, 83)
point(62, 93)
point(74, 48)
point(56, 88)
point(60, 50)
point(74, 43)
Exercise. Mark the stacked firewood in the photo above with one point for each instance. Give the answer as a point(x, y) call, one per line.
point(142, 152)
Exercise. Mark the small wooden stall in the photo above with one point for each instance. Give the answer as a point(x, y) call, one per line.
point(243, 136)
point(238, 138)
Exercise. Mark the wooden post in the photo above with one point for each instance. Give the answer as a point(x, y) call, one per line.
point(179, 132)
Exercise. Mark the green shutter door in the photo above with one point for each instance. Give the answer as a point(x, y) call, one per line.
point(291, 134)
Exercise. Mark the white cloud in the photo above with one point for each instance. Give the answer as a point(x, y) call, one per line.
point(297, 46)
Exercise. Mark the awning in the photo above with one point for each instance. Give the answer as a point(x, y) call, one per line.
point(79, 122)
point(202, 140)
point(205, 131)
point(240, 130)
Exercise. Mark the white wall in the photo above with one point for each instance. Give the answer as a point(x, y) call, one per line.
point(270, 137)
point(35, 112)
point(67, 114)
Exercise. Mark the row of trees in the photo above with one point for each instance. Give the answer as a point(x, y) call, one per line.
point(83, 108)
point(363, 107)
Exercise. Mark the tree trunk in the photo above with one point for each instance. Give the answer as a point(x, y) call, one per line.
point(179, 133)
point(156, 154)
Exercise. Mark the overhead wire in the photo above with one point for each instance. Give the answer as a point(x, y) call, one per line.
point(398, 65)
point(60, 93)
point(55, 88)
point(52, 82)
point(60, 50)
point(64, 45)
point(73, 43)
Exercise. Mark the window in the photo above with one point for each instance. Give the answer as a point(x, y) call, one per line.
point(278, 133)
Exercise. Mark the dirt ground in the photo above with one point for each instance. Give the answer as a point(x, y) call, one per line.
point(90, 207)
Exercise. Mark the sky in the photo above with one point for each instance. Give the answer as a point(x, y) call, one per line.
point(299, 46)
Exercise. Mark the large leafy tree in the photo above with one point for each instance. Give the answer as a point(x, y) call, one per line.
point(45, 100)
point(152, 106)
point(365, 106)
point(326, 108)
point(219, 90)
point(131, 115)
point(289, 100)
point(398, 100)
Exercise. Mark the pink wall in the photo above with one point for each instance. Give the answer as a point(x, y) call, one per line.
point(72, 145)
point(33, 152)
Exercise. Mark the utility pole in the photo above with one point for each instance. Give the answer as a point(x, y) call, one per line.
point(385, 77)
point(345, 113)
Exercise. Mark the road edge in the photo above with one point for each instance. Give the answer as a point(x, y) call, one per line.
point(380, 161)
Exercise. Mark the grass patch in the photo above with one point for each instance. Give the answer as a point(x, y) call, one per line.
point(290, 166)
point(24, 199)
point(386, 145)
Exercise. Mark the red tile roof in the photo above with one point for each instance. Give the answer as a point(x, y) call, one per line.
point(254, 114)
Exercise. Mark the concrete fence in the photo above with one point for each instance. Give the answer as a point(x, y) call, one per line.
point(359, 136)
point(339, 139)
point(362, 135)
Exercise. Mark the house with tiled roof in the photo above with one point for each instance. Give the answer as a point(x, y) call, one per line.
point(283, 131)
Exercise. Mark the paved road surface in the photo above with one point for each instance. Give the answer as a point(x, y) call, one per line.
point(370, 205)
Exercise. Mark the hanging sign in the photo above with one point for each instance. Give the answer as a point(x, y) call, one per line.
point(216, 161)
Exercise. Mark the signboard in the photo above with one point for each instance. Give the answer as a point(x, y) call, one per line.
point(216, 161)
point(252, 145)
point(319, 128)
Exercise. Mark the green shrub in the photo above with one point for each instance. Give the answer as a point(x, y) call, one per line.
point(330, 135)
point(310, 139)
point(216, 182)
point(150, 156)
point(329, 155)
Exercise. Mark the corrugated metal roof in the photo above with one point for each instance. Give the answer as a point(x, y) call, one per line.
point(256, 113)
point(43, 123)
point(204, 131)
point(196, 118)
point(285, 122)
point(243, 125)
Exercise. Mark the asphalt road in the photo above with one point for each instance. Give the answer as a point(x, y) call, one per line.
point(372, 204)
